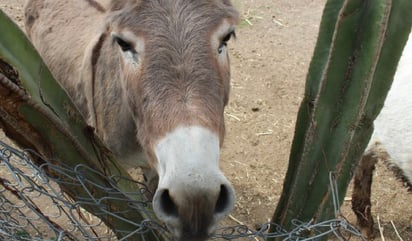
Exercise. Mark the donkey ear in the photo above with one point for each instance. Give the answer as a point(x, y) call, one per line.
point(85, 85)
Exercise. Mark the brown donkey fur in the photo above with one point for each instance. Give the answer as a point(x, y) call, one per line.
point(140, 69)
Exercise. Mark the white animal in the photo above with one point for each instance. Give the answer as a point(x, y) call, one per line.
point(391, 140)
point(393, 124)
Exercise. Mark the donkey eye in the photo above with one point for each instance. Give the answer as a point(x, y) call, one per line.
point(124, 45)
point(225, 39)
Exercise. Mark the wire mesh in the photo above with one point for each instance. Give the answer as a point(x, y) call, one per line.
point(33, 207)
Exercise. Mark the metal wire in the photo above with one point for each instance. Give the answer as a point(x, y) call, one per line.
point(33, 207)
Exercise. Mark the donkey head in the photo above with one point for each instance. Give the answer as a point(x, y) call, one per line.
point(175, 67)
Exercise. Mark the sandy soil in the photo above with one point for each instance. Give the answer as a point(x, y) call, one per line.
point(270, 59)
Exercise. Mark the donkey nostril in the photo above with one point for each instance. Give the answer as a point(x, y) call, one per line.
point(167, 205)
point(223, 200)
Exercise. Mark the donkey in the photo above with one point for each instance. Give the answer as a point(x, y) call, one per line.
point(152, 77)
point(391, 140)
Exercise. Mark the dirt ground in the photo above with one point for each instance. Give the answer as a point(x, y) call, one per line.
point(270, 59)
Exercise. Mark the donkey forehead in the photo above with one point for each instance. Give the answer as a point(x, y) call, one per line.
point(177, 36)
point(185, 17)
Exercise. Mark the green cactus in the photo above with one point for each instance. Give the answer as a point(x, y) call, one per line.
point(36, 113)
point(357, 51)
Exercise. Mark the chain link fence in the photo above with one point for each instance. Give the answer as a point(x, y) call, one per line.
point(33, 207)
